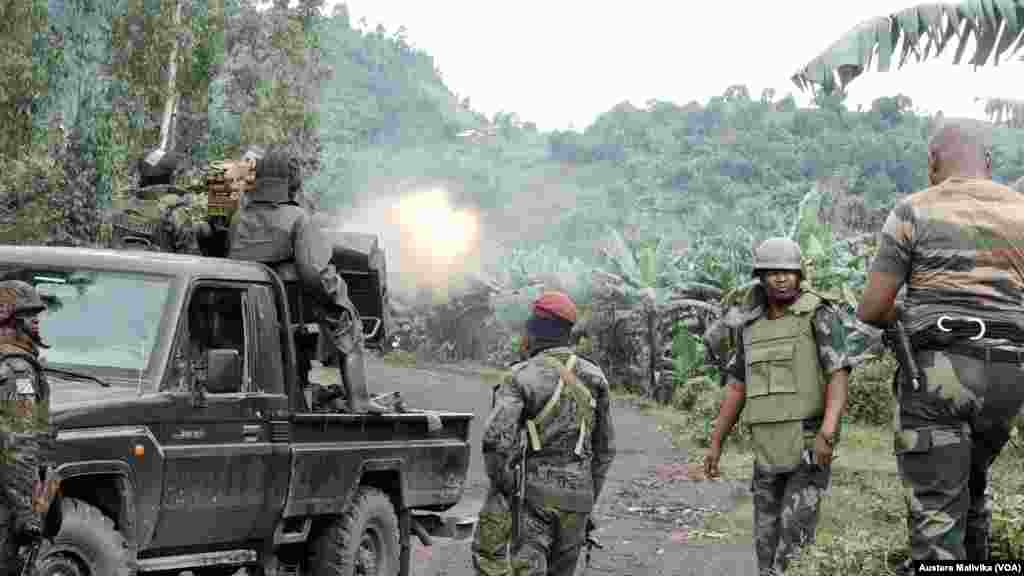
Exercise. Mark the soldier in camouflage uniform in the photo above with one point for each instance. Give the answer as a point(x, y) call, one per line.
point(558, 403)
point(789, 380)
point(958, 248)
point(157, 212)
point(24, 416)
point(270, 227)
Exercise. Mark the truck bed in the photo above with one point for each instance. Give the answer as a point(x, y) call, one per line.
point(429, 467)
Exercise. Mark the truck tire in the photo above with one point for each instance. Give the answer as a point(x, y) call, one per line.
point(362, 541)
point(87, 545)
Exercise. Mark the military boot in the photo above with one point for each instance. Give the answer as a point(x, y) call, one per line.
point(353, 375)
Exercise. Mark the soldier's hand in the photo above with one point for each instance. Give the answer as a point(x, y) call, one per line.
point(822, 451)
point(711, 462)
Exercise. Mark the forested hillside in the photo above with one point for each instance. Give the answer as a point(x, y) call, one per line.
point(662, 193)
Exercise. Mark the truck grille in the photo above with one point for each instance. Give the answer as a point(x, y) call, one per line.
point(280, 431)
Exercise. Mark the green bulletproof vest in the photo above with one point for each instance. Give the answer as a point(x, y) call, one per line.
point(785, 384)
point(784, 379)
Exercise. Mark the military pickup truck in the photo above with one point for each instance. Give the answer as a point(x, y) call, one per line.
point(185, 441)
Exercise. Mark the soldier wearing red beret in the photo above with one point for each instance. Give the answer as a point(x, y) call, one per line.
point(548, 444)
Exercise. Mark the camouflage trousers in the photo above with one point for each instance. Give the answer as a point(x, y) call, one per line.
point(9, 561)
point(492, 535)
point(948, 434)
point(786, 510)
point(17, 477)
point(551, 540)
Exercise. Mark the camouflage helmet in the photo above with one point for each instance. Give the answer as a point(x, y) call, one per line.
point(277, 163)
point(19, 299)
point(779, 253)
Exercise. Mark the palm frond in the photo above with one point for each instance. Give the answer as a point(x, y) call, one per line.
point(925, 30)
point(1006, 111)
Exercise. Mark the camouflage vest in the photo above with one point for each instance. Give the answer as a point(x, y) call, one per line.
point(784, 382)
point(20, 376)
point(265, 232)
point(555, 478)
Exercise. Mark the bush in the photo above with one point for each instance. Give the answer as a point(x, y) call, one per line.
point(870, 398)
point(1007, 539)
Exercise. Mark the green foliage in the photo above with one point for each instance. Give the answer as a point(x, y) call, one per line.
point(870, 399)
point(687, 354)
point(918, 29)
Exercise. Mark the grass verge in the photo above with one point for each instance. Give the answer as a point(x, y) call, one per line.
point(862, 527)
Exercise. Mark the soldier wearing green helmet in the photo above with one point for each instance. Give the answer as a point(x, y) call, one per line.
point(788, 378)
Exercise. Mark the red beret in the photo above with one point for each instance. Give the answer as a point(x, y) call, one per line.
point(556, 304)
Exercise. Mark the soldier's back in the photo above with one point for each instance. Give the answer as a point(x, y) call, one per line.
point(965, 238)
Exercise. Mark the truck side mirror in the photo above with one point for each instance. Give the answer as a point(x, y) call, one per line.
point(223, 371)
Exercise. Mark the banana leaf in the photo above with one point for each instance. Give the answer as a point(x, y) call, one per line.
point(996, 26)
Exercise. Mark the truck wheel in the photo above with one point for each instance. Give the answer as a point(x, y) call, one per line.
point(363, 541)
point(87, 545)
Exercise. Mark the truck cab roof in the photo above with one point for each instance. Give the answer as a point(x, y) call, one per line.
point(180, 266)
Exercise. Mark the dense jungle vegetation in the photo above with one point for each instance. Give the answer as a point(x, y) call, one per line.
point(660, 194)
point(689, 188)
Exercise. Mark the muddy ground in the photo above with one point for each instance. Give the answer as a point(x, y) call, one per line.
point(645, 515)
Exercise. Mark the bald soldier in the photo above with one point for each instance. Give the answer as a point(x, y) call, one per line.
point(958, 246)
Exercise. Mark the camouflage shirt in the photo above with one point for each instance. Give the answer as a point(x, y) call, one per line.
point(522, 395)
point(843, 341)
point(959, 246)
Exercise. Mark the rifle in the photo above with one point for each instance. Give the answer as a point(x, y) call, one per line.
point(896, 339)
point(519, 495)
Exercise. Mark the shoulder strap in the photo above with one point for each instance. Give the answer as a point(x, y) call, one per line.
point(567, 378)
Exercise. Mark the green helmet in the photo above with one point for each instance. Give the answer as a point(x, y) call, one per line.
point(779, 253)
point(26, 300)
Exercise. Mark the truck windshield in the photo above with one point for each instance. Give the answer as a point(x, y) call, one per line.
point(100, 319)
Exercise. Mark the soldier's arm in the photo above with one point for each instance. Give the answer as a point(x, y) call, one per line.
point(735, 398)
point(502, 430)
point(313, 253)
point(842, 344)
point(890, 268)
point(602, 437)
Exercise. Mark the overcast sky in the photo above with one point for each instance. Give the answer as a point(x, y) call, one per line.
point(562, 62)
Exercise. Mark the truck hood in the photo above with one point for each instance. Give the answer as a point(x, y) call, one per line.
point(85, 405)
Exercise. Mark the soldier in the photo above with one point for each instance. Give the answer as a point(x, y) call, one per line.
point(25, 416)
point(558, 403)
point(156, 215)
point(788, 377)
point(958, 249)
point(270, 227)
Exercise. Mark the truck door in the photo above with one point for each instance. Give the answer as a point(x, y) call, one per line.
point(219, 457)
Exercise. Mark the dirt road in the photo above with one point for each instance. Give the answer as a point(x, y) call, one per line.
point(647, 510)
